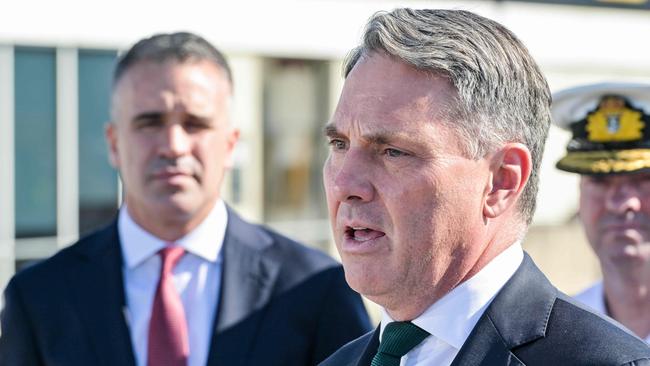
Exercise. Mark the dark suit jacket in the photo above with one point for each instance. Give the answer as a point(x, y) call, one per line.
point(529, 322)
point(280, 304)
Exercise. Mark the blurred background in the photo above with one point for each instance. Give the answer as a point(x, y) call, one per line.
point(56, 59)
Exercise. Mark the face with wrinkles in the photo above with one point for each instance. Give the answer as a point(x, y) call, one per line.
point(615, 212)
point(171, 140)
point(403, 199)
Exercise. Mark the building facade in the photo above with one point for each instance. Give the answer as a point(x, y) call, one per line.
point(55, 180)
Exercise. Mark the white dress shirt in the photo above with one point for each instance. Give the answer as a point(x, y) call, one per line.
point(197, 278)
point(594, 297)
point(451, 319)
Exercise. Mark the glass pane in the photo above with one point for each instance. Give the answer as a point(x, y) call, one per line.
point(35, 141)
point(97, 179)
point(295, 110)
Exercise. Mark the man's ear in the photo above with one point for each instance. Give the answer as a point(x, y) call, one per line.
point(110, 133)
point(231, 141)
point(510, 169)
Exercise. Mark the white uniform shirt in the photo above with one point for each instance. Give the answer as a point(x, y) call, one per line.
point(197, 278)
point(451, 319)
point(594, 297)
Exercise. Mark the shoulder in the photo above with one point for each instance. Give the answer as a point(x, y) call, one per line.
point(580, 336)
point(350, 353)
point(295, 256)
point(570, 313)
point(293, 263)
point(299, 263)
point(541, 325)
point(50, 272)
point(300, 255)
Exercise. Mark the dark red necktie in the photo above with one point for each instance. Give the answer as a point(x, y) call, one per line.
point(168, 337)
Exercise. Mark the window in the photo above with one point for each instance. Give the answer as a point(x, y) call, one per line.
point(97, 179)
point(295, 110)
point(35, 141)
point(294, 115)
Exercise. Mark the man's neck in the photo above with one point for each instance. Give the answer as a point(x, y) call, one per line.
point(170, 226)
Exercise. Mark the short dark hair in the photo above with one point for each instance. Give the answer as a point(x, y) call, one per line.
point(179, 46)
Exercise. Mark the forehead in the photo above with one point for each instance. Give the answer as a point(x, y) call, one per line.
point(382, 85)
point(156, 85)
point(380, 88)
point(614, 179)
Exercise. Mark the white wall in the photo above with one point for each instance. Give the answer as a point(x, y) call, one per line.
point(564, 36)
point(572, 44)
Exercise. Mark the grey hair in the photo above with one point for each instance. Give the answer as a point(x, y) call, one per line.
point(179, 46)
point(502, 95)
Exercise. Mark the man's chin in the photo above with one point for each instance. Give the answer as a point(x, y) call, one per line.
point(363, 281)
point(179, 204)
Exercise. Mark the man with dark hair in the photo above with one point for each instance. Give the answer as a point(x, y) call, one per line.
point(178, 278)
point(610, 149)
point(431, 180)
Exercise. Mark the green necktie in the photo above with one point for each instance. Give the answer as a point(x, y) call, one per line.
point(397, 340)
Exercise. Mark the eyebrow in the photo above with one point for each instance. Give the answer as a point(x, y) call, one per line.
point(161, 116)
point(330, 130)
point(147, 115)
point(377, 138)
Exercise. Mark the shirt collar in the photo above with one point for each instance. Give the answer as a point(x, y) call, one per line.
point(453, 317)
point(204, 241)
point(598, 301)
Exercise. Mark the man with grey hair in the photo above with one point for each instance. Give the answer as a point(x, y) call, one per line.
point(431, 180)
point(178, 278)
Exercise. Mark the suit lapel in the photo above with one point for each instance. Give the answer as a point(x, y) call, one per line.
point(98, 295)
point(247, 283)
point(485, 347)
point(369, 351)
point(517, 315)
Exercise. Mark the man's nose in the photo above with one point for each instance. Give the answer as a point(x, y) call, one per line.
point(175, 141)
point(623, 197)
point(350, 178)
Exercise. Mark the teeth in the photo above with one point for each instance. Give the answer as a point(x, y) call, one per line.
point(359, 228)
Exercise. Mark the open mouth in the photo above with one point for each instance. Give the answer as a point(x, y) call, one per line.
point(362, 234)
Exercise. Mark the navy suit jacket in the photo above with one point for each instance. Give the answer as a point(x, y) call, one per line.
point(280, 304)
point(529, 322)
